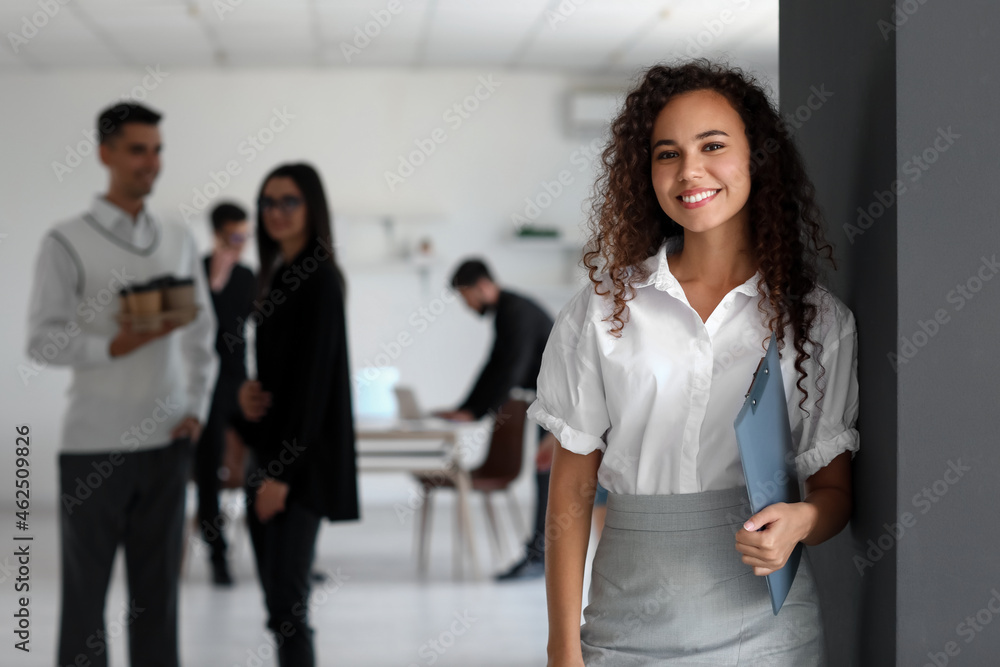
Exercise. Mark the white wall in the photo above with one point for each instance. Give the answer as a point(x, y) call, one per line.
point(353, 126)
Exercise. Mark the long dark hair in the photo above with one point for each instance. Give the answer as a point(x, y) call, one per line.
point(318, 219)
point(627, 223)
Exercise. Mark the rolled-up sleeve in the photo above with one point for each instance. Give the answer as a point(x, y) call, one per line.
point(833, 428)
point(570, 401)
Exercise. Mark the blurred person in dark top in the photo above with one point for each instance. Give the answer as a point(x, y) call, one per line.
point(299, 422)
point(522, 330)
point(232, 287)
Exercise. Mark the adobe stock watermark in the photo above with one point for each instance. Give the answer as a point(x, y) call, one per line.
point(432, 650)
point(549, 191)
point(438, 478)
point(418, 496)
point(791, 121)
point(365, 34)
point(290, 452)
point(273, 641)
point(31, 25)
point(297, 273)
point(968, 629)
point(747, 344)
point(616, 459)
point(47, 350)
point(229, 512)
point(99, 639)
point(648, 610)
point(419, 321)
point(249, 148)
point(455, 116)
point(556, 524)
point(562, 12)
point(7, 570)
point(225, 7)
point(799, 116)
point(901, 13)
point(137, 434)
point(269, 647)
point(915, 167)
point(959, 296)
point(924, 500)
point(713, 29)
point(320, 595)
point(76, 152)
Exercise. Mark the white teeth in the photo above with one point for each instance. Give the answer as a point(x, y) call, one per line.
point(698, 197)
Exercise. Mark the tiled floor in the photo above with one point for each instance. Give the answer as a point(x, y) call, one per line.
point(380, 615)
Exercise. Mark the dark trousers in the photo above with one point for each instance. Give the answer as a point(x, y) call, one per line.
point(208, 459)
point(135, 499)
point(536, 543)
point(535, 548)
point(284, 548)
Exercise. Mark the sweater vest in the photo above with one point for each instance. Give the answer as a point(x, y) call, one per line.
point(133, 401)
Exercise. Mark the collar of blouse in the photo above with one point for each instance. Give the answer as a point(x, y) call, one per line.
point(660, 277)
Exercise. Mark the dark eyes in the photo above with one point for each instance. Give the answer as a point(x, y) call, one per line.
point(712, 147)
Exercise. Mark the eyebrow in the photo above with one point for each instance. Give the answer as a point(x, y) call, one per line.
point(698, 137)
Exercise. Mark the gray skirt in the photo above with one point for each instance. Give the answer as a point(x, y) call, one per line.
point(669, 588)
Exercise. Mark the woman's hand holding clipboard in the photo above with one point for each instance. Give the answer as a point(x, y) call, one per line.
point(770, 540)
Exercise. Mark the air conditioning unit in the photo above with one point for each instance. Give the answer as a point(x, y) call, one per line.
point(588, 113)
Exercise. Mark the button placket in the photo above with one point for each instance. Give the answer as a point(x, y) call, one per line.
point(700, 384)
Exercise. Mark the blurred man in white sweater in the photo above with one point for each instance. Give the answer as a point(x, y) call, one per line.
point(136, 403)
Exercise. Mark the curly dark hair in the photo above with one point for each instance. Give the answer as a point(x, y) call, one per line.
point(627, 224)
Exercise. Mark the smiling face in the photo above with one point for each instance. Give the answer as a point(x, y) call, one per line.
point(133, 158)
point(700, 163)
point(283, 210)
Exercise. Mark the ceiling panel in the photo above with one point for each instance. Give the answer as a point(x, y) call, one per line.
point(252, 12)
point(592, 36)
point(69, 42)
point(352, 36)
point(481, 34)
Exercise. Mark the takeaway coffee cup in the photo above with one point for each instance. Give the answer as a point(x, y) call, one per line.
point(179, 293)
point(144, 300)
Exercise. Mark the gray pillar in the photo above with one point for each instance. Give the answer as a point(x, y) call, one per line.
point(948, 95)
point(832, 56)
point(910, 136)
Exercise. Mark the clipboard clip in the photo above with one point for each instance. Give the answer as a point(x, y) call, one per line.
point(754, 378)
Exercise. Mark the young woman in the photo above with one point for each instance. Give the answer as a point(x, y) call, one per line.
point(705, 239)
point(303, 438)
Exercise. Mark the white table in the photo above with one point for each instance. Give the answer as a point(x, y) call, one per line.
point(431, 447)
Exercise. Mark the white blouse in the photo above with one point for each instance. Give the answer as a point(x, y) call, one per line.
point(660, 401)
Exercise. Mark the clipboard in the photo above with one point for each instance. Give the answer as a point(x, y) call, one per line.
point(764, 438)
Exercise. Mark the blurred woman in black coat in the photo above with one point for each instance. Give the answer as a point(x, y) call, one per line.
point(301, 431)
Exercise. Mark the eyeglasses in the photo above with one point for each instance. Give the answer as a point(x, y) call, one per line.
point(286, 204)
point(236, 238)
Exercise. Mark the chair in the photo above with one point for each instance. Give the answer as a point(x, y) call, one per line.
point(502, 465)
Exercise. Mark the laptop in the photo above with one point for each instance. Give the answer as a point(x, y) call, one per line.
point(409, 408)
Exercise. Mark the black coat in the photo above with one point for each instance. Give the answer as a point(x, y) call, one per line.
point(522, 330)
point(232, 307)
point(307, 436)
